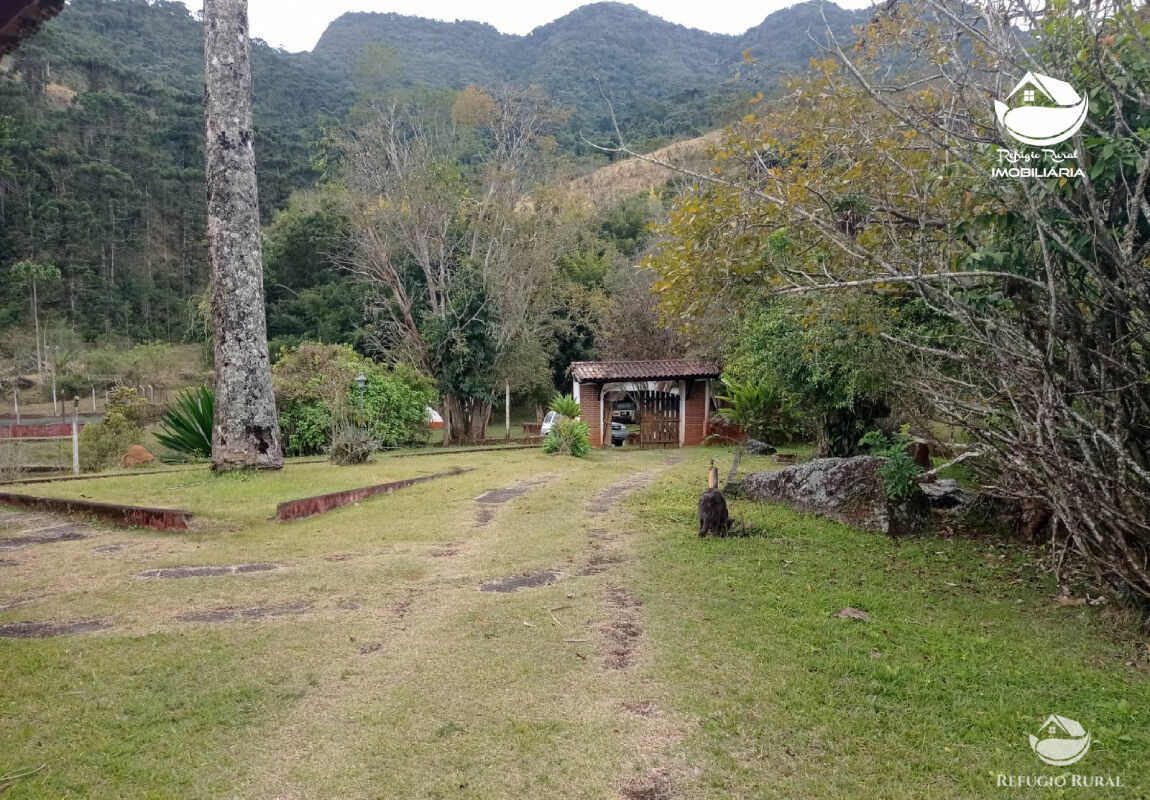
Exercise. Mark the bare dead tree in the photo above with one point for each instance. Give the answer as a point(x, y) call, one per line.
point(246, 430)
point(430, 236)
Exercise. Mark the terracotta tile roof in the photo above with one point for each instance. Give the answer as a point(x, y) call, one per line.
point(19, 19)
point(643, 370)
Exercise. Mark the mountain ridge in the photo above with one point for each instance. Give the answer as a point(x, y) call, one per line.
point(667, 79)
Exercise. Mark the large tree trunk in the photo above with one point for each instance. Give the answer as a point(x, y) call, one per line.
point(464, 421)
point(246, 430)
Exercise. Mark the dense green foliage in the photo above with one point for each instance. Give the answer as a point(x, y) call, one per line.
point(316, 393)
point(667, 81)
point(102, 164)
point(570, 437)
point(763, 410)
point(103, 444)
point(899, 470)
point(186, 426)
point(824, 360)
point(101, 152)
point(308, 297)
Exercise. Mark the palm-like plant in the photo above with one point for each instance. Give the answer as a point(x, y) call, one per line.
point(186, 425)
point(763, 411)
point(565, 405)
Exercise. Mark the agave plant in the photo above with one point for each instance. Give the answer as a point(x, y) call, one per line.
point(186, 425)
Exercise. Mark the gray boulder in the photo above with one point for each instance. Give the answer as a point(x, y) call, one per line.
point(754, 447)
point(848, 490)
point(944, 493)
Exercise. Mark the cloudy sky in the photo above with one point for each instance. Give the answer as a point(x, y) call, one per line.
point(297, 24)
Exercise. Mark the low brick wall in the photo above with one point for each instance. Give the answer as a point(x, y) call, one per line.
point(310, 506)
point(42, 431)
point(160, 519)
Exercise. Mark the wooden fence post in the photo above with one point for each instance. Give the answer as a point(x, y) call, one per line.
point(93, 399)
point(16, 403)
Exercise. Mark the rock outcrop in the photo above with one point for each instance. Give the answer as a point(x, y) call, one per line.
point(754, 447)
point(848, 490)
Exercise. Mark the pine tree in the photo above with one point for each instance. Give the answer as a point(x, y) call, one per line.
point(246, 431)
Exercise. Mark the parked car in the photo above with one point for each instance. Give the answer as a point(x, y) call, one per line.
point(549, 420)
point(619, 433)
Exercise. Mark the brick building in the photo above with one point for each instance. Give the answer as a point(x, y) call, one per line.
point(669, 400)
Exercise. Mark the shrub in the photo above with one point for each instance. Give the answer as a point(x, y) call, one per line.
point(135, 409)
point(763, 411)
point(186, 425)
point(898, 470)
point(315, 386)
point(12, 460)
point(830, 361)
point(568, 437)
point(351, 444)
point(102, 444)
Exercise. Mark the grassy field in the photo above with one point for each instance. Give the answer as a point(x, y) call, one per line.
point(367, 663)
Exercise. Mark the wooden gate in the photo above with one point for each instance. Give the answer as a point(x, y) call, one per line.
point(658, 420)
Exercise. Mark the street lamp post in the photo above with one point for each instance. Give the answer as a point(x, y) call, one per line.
point(361, 382)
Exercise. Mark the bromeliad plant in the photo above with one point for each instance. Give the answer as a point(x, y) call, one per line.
point(186, 426)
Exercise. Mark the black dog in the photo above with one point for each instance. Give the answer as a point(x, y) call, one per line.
point(713, 516)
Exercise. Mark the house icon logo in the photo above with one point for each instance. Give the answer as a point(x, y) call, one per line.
point(1052, 111)
point(1064, 741)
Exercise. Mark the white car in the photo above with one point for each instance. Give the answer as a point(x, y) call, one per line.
point(548, 421)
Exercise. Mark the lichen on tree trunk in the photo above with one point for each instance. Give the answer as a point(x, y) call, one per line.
point(246, 430)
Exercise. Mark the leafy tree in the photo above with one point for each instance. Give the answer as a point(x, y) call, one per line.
point(1039, 281)
point(309, 296)
point(35, 276)
point(820, 360)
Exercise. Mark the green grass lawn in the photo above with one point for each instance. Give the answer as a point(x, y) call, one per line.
point(395, 677)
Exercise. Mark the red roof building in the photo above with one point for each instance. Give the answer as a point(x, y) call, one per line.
point(665, 403)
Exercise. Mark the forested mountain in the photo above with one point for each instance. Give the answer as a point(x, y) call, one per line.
point(101, 152)
point(667, 80)
point(101, 162)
